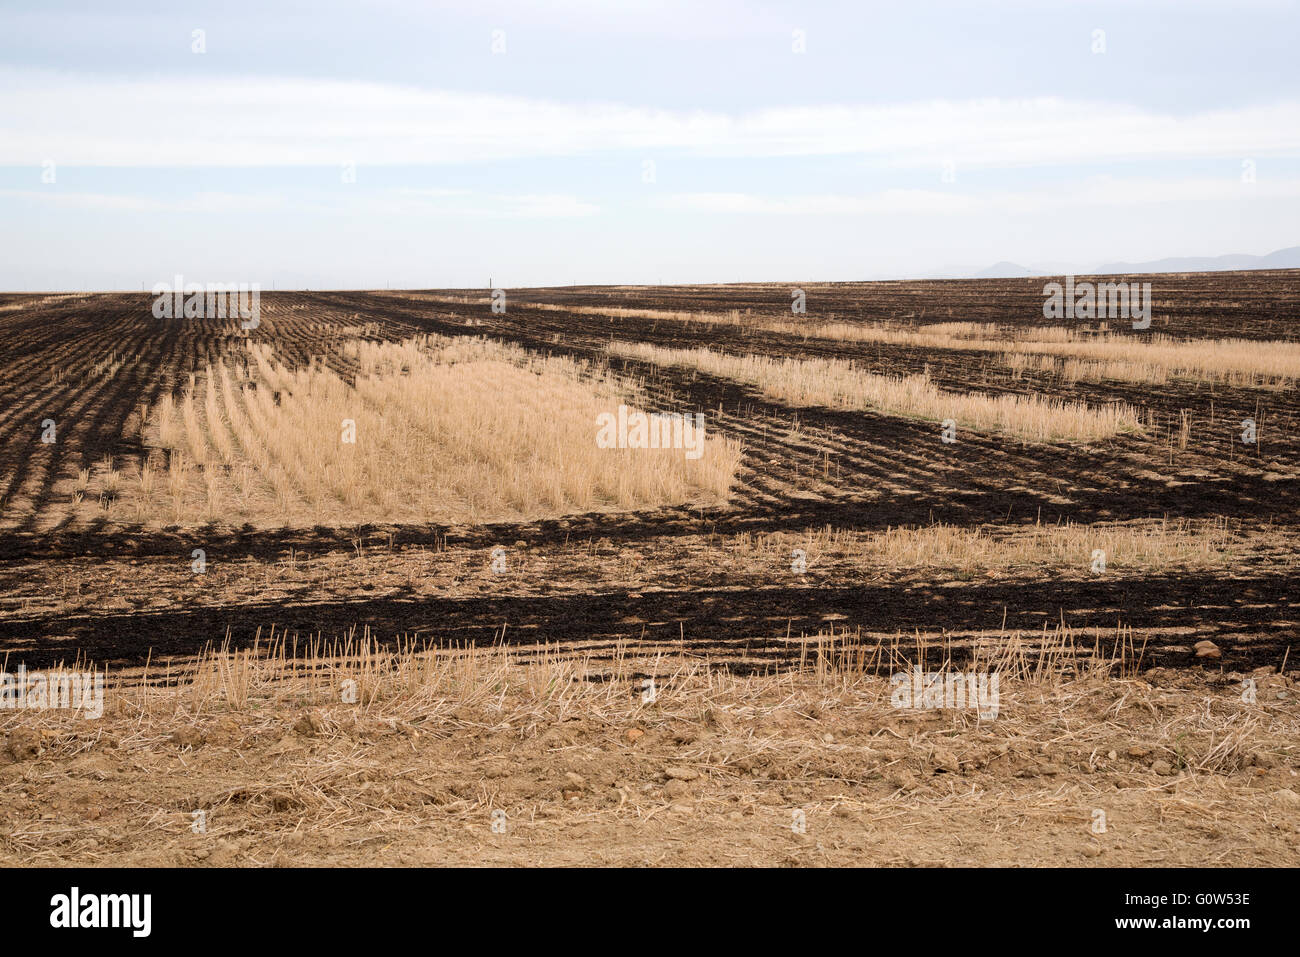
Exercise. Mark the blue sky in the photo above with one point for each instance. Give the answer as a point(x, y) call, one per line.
point(332, 145)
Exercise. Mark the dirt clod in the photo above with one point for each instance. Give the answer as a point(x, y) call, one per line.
point(187, 737)
point(24, 744)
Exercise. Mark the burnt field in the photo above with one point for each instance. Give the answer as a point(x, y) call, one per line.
point(840, 520)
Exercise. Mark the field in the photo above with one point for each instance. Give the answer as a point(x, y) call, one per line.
point(679, 653)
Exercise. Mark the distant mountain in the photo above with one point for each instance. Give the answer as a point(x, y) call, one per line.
point(1003, 270)
point(1288, 258)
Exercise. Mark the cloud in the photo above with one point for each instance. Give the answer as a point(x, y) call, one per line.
point(1094, 192)
point(78, 120)
point(460, 202)
point(206, 202)
point(545, 206)
point(823, 204)
point(394, 202)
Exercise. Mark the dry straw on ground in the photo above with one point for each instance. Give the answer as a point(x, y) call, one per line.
point(839, 384)
point(1072, 354)
point(444, 431)
point(1158, 545)
point(353, 753)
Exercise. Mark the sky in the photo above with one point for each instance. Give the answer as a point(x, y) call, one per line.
point(465, 144)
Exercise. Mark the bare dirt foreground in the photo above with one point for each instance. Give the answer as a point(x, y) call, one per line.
point(476, 759)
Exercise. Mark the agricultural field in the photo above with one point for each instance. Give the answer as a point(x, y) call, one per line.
point(390, 576)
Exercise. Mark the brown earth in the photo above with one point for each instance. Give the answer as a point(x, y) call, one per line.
point(804, 469)
point(415, 777)
point(1165, 768)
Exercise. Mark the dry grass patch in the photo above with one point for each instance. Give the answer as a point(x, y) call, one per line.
point(1081, 355)
point(1073, 354)
point(1078, 355)
point(431, 430)
point(1157, 545)
point(839, 384)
